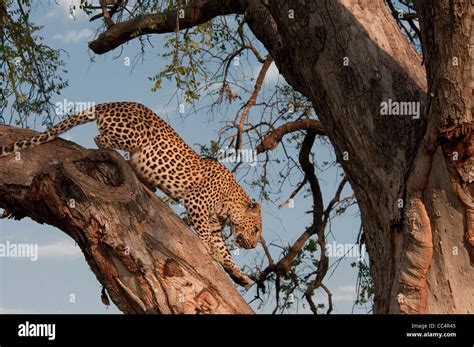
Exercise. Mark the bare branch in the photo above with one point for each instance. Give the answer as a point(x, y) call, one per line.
point(335, 199)
point(252, 100)
point(409, 17)
point(329, 294)
point(105, 13)
point(199, 12)
point(271, 140)
point(267, 252)
point(296, 191)
point(108, 13)
point(284, 264)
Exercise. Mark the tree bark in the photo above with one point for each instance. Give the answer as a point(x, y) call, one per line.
point(142, 253)
point(448, 47)
point(198, 12)
point(348, 57)
point(412, 176)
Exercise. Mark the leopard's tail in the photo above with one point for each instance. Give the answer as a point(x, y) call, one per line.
point(49, 135)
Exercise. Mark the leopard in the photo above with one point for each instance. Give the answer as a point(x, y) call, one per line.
point(162, 160)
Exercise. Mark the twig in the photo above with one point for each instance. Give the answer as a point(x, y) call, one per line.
point(267, 252)
point(329, 294)
point(251, 101)
point(296, 191)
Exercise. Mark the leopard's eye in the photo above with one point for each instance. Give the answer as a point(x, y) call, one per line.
point(255, 231)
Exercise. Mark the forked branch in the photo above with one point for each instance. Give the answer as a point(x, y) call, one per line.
point(141, 252)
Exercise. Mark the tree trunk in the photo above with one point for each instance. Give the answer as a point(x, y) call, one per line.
point(448, 48)
point(412, 173)
point(142, 253)
point(348, 57)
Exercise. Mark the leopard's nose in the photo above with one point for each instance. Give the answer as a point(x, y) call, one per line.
point(240, 239)
point(242, 242)
point(247, 244)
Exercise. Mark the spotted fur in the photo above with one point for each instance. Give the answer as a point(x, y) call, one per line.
point(161, 159)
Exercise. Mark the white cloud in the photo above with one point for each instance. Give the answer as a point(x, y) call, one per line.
point(344, 293)
point(273, 74)
point(59, 249)
point(347, 289)
point(343, 298)
point(67, 5)
point(165, 109)
point(62, 9)
point(73, 36)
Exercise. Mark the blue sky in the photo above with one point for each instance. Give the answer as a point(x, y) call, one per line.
point(60, 281)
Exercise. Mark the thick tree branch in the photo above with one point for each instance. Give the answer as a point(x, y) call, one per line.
point(141, 252)
point(271, 140)
point(199, 12)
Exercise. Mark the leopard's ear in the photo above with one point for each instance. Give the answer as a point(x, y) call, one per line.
point(255, 206)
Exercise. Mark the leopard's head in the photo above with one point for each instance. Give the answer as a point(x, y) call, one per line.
point(247, 226)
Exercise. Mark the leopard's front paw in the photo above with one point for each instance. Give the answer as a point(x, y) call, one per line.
point(241, 278)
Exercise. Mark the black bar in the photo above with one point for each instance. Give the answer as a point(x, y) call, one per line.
point(157, 330)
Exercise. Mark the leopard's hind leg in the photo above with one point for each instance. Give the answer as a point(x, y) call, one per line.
point(104, 142)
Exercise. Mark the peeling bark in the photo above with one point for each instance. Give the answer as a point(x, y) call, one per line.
point(388, 159)
point(347, 57)
point(411, 292)
point(448, 48)
point(465, 196)
point(380, 65)
point(142, 253)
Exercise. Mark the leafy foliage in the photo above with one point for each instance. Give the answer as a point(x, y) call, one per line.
point(30, 71)
point(195, 58)
point(365, 284)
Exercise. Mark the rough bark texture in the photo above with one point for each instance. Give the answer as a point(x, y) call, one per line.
point(390, 158)
point(448, 47)
point(142, 253)
point(380, 65)
point(412, 176)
